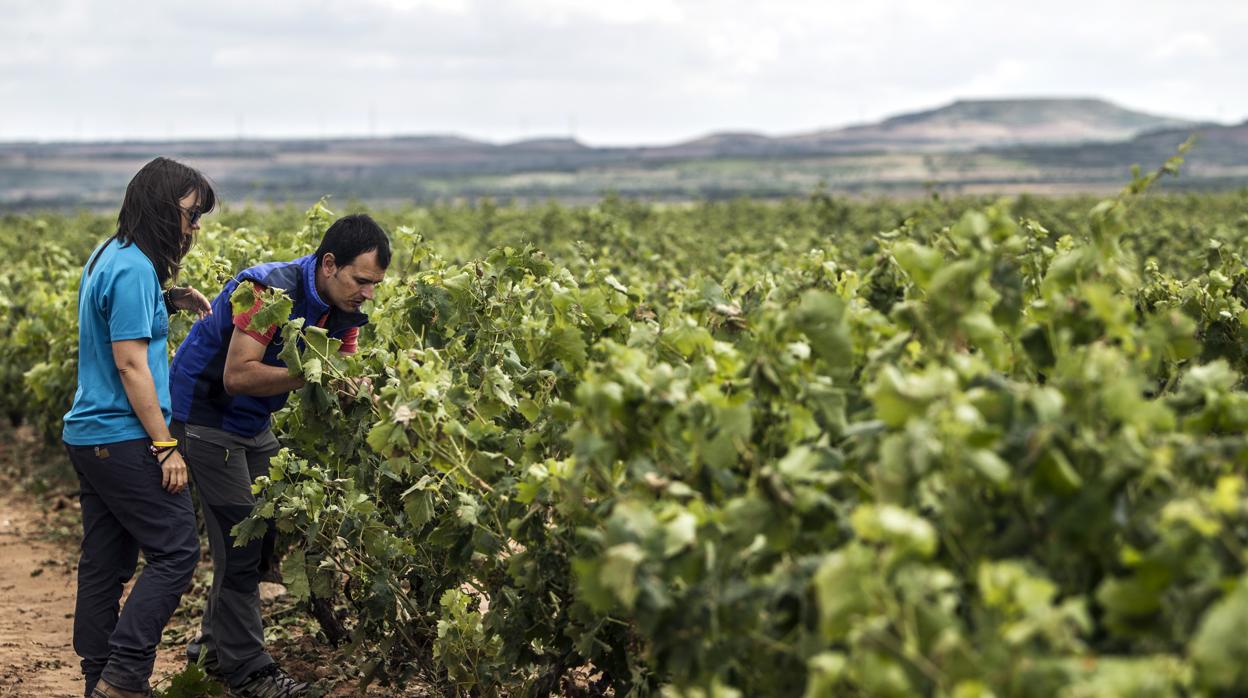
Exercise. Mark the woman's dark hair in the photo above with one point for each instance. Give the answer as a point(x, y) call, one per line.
point(151, 217)
point(351, 236)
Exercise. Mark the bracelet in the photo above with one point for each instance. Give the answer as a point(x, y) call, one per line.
point(159, 447)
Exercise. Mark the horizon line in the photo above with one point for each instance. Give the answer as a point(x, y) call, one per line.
point(260, 138)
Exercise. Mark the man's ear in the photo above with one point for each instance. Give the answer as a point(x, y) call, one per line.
point(328, 263)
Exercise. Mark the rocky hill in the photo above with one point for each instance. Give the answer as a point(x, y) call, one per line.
point(963, 125)
point(976, 143)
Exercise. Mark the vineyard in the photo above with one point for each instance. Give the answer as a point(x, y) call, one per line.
point(958, 448)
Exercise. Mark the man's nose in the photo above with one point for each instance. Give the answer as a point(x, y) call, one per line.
point(367, 291)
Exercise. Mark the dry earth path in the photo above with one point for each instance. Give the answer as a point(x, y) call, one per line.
point(36, 609)
point(37, 591)
point(39, 534)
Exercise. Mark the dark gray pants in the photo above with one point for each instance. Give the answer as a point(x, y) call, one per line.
point(125, 510)
point(223, 467)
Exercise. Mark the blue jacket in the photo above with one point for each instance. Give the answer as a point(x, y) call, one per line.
point(196, 374)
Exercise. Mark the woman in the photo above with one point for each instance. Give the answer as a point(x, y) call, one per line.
point(132, 475)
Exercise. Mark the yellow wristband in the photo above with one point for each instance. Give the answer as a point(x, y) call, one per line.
point(165, 444)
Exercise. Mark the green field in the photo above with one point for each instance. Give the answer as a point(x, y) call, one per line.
point(948, 447)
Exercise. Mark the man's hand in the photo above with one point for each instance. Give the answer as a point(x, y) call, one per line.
point(172, 472)
point(350, 389)
point(187, 298)
point(351, 386)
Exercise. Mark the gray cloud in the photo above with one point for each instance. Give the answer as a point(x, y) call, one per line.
point(645, 70)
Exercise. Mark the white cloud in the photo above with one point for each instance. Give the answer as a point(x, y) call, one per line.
point(628, 12)
point(633, 71)
point(1189, 44)
point(448, 6)
point(743, 52)
point(1001, 78)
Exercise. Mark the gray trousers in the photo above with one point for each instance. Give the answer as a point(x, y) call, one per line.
point(223, 467)
point(125, 510)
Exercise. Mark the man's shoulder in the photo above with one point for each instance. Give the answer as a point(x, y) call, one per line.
point(287, 275)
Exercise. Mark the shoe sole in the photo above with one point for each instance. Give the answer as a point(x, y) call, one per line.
point(233, 693)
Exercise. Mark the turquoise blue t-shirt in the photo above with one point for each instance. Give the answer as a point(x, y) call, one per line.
point(117, 300)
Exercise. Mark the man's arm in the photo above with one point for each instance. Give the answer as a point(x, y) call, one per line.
point(247, 374)
point(130, 356)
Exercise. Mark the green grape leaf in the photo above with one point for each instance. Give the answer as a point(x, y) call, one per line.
point(290, 356)
point(295, 574)
point(312, 370)
point(319, 341)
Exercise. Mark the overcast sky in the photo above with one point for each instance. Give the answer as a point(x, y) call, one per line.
point(608, 72)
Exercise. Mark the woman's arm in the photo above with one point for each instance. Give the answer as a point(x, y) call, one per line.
point(187, 298)
point(130, 356)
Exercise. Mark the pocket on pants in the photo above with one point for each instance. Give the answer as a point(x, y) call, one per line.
point(133, 454)
point(218, 474)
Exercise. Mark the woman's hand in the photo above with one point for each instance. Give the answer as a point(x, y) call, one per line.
point(187, 298)
point(173, 472)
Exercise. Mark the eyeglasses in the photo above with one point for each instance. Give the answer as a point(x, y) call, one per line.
point(192, 214)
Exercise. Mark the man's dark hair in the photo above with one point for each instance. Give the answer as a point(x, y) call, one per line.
point(351, 236)
point(151, 217)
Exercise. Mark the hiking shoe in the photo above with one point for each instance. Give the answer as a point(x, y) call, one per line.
point(104, 689)
point(269, 682)
point(205, 657)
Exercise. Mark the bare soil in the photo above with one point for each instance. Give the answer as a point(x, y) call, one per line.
point(39, 536)
point(37, 590)
point(38, 584)
point(36, 610)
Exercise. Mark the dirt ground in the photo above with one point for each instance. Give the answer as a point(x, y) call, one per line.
point(36, 604)
point(38, 582)
point(37, 585)
point(39, 533)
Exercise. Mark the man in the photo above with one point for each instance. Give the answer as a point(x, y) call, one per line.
point(226, 383)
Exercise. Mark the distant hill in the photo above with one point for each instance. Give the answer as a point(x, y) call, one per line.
point(549, 145)
point(1220, 145)
point(1026, 121)
point(1217, 152)
point(963, 125)
point(969, 145)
